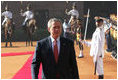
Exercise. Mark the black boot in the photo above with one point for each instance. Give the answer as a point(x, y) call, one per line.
point(6, 44)
point(10, 44)
point(101, 76)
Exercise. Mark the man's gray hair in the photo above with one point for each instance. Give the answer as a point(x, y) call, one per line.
point(53, 20)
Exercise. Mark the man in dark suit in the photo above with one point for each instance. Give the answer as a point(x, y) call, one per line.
point(56, 54)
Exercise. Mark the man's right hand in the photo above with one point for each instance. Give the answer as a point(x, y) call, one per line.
point(21, 11)
point(83, 42)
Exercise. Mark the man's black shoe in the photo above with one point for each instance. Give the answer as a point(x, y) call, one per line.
point(108, 50)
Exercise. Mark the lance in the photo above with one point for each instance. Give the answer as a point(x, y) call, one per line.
point(21, 10)
point(67, 2)
point(86, 24)
point(21, 2)
point(73, 3)
point(66, 7)
point(21, 5)
point(2, 2)
point(2, 5)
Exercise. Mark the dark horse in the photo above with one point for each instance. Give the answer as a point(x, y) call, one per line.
point(73, 24)
point(30, 30)
point(8, 31)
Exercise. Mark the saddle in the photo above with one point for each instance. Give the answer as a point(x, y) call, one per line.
point(9, 22)
point(30, 21)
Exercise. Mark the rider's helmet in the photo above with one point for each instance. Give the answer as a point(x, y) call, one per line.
point(6, 8)
point(28, 7)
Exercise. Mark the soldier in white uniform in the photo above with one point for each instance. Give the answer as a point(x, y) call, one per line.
point(73, 12)
point(7, 15)
point(29, 15)
point(97, 48)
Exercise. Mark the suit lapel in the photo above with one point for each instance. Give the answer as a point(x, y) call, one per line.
point(62, 45)
point(50, 47)
point(50, 43)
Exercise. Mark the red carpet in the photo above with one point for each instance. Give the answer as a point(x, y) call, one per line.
point(25, 71)
point(16, 54)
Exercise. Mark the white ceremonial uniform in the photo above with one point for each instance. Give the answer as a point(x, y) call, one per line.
point(7, 15)
point(97, 48)
point(73, 12)
point(29, 15)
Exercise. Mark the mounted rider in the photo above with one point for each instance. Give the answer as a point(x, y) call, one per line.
point(74, 12)
point(7, 16)
point(29, 15)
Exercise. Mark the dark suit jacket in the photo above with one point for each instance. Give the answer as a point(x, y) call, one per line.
point(66, 66)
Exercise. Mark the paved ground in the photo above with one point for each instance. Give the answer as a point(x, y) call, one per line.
point(11, 64)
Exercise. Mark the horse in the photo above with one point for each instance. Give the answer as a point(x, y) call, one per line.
point(73, 29)
point(30, 29)
point(8, 31)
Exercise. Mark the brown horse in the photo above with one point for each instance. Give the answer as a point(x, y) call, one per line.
point(30, 29)
point(8, 31)
point(73, 24)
